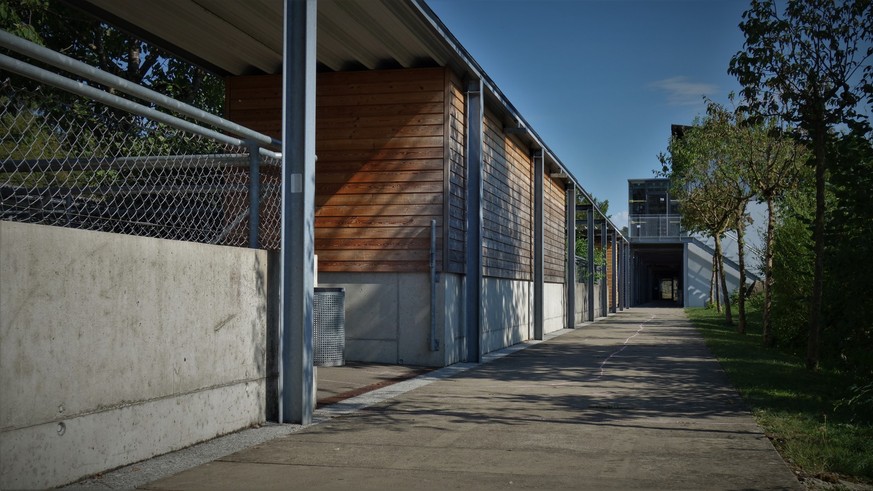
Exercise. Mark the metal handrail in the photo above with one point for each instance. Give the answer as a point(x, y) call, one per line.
point(58, 60)
point(79, 88)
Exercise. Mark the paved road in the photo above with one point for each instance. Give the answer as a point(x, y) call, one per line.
point(632, 402)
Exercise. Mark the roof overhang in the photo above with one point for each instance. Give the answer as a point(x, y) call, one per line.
point(244, 38)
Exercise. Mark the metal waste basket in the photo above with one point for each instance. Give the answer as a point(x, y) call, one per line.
point(329, 327)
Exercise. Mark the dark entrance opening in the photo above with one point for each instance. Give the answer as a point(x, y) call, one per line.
point(658, 274)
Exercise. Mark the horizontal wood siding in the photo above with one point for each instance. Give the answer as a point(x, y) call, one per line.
point(507, 231)
point(457, 162)
point(554, 231)
point(380, 175)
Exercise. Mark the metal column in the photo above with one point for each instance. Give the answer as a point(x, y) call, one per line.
point(570, 277)
point(604, 290)
point(296, 399)
point(591, 263)
point(612, 288)
point(473, 270)
point(254, 193)
point(538, 278)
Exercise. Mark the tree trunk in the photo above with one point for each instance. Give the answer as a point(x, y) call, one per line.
point(766, 331)
point(741, 299)
point(813, 347)
point(713, 285)
point(728, 319)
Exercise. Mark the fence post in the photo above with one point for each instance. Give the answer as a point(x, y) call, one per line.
point(254, 193)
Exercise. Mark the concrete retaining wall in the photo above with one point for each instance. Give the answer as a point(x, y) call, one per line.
point(114, 349)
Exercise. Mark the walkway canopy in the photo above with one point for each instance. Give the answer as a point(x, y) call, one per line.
point(298, 38)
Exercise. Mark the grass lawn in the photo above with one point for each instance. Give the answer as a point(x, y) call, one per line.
point(795, 407)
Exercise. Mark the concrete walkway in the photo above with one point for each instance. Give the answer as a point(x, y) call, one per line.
point(632, 402)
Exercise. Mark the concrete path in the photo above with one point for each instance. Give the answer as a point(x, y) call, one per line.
point(632, 402)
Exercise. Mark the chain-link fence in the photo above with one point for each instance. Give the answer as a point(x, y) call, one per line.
point(71, 162)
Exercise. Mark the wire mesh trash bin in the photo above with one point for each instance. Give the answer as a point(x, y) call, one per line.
point(329, 327)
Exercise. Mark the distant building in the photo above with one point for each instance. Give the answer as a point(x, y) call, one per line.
point(668, 263)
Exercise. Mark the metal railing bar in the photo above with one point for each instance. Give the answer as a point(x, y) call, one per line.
point(76, 67)
point(79, 88)
point(26, 191)
point(150, 162)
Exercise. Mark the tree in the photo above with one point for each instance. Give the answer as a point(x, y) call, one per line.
point(772, 162)
point(811, 66)
point(707, 180)
point(848, 304)
point(67, 30)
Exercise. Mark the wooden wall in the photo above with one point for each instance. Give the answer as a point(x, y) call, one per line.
point(456, 243)
point(554, 231)
point(381, 175)
point(507, 230)
point(380, 140)
point(390, 148)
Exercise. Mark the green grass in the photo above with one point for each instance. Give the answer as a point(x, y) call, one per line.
point(795, 407)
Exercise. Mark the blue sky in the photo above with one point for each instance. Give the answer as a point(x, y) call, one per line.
point(602, 81)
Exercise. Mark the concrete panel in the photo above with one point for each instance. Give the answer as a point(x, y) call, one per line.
point(581, 303)
point(388, 316)
point(371, 350)
point(413, 320)
point(67, 449)
point(554, 307)
point(698, 273)
point(451, 318)
point(598, 310)
point(94, 323)
point(507, 307)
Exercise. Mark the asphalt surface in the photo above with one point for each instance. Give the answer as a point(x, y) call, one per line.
point(634, 401)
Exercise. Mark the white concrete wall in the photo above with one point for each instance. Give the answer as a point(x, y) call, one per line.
point(581, 303)
point(598, 302)
point(506, 318)
point(388, 316)
point(554, 307)
point(114, 349)
point(698, 273)
point(450, 316)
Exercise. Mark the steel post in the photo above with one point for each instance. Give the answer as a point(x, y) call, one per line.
point(254, 194)
point(570, 277)
point(473, 268)
point(590, 263)
point(538, 276)
point(604, 288)
point(612, 288)
point(296, 398)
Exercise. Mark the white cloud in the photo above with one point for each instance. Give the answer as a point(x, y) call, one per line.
point(683, 92)
point(620, 219)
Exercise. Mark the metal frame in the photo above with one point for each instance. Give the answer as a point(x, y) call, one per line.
point(475, 114)
point(612, 288)
point(76, 67)
point(604, 291)
point(538, 277)
point(570, 281)
point(296, 377)
point(590, 263)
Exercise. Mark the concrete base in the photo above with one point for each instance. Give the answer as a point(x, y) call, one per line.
point(116, 348)
point(388, 317)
